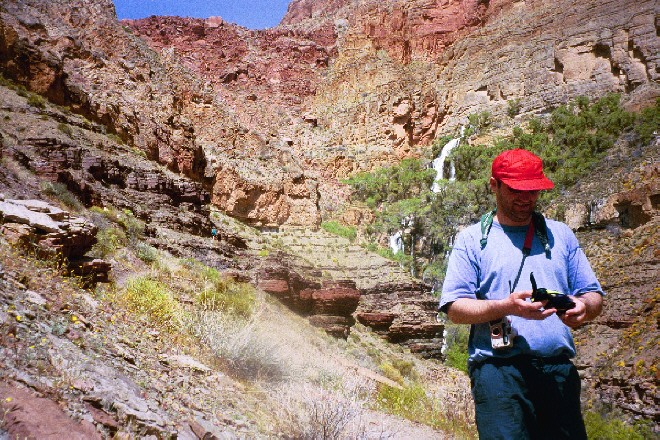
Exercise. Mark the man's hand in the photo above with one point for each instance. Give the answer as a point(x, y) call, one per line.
point(587, 307)
point(475, 311)
point(526, 309)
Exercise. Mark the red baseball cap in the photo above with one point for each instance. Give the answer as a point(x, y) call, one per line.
point(522, 170)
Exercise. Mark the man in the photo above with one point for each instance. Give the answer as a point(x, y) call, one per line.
point(523, 382)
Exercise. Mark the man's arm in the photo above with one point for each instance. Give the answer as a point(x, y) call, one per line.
point(476, 311)
point(587, 307)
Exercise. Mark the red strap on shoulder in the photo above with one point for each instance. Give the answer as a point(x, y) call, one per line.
point(527, 247)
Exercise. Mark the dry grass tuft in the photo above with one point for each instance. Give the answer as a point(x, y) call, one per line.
point(240, 345)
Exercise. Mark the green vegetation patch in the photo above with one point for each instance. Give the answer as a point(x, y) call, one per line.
point(410, 177)
point(61, 193)
point(601, 427)
point(413, 403)
point(154, 300)
point(224, 294)
point(334, 227)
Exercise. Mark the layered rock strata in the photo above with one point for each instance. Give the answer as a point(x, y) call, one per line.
point(52, 233)
point(328, 305)
point(391, 303)
point(403, 314)
point(82, 58)
point(56, 148)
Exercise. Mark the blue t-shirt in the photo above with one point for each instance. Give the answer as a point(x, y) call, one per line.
point(485, 273)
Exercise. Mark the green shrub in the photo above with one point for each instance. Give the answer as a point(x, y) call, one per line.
point(391, 372)
point(5, 82)
point(412, 402)
point(22, 91)
point(409, 402)
point(409, 178)
point(334, 227)
point(155, 301)
point(406, 368)
point(133, 226)
point(65, 128)
point(608, 428)
point(648, 122)
point(35, 100)
point(224, 294)
point(478, 122)
point(115, 138)
point(398, 369)
point(456, 355)
point(62, 193)
point(146, 253)
point(108, 241)
point(513, 107)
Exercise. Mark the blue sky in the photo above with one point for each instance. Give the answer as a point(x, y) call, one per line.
point(252, 14)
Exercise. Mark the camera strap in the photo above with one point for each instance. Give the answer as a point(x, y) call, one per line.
point(527, 248)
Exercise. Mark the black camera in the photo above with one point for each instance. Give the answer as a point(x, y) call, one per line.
point(555, 300)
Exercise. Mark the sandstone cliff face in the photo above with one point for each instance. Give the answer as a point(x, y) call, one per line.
point(352, 86)
point(83, 58)
point(420, 68)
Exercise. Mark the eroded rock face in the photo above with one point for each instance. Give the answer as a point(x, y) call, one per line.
point(404, 314)
point(49, 228)
point(53, 233)
point(83, 58)
point(98, 177)
point(284, 202)
point(421, 67)
point(327, 305)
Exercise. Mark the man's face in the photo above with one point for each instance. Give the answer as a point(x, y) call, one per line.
point(514, 207)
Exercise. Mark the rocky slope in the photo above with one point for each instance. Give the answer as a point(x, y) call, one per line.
point(80, 363)
point(82, 58)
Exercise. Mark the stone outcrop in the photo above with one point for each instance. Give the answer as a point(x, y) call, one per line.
point(96, 175)
point(404, 315)
point(52, 233)
point(328, 305)
point(271, 203)
point(29, 416)
point(621, 210)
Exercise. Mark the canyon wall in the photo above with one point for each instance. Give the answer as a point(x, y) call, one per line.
point(82, 58)
point(354, 85)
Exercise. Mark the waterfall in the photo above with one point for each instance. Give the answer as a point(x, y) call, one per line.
point(396, 242)
point(439, 162)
